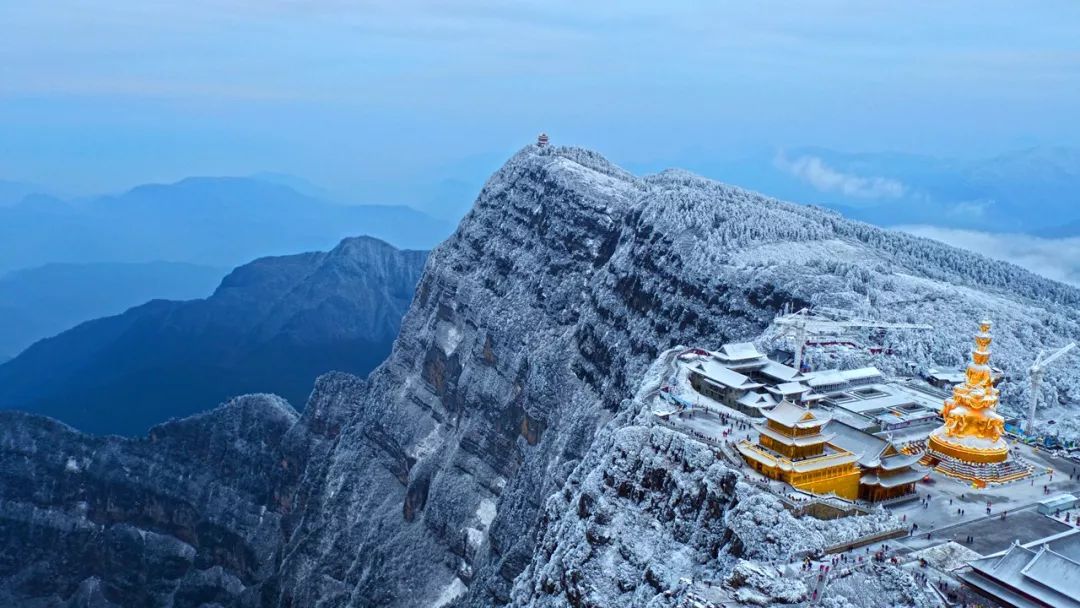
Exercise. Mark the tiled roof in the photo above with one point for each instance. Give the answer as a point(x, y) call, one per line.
point(739, 351)
point(1022, 573)
point(864, 445)
point(787, 413)
point(719, 374)
point(779, 371)
point(801, 440)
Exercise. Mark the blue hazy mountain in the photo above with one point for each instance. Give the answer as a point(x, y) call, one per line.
point(39, 302)
point(209, 221)
point(11, 192)
point(272, 325)
point(297, 183)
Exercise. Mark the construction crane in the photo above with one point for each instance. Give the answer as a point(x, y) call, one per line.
point(805, 322)
point(1036, 377)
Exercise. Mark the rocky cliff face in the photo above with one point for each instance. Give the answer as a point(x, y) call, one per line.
point(530, 328)
point(190, 515)
point(506, 406)
point(274, 325)
point(645, 511)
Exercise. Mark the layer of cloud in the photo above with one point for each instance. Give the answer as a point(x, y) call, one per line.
point(350, 91)
point(824, 178)
point(1057, 259)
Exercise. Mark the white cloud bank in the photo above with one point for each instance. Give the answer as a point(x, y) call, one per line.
point(817, 173)
point(1057, 259)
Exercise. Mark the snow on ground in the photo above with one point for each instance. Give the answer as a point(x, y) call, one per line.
point(610, 183)
point(757, 585)
point(485, 514)
point(947, 556)
point(476, 537)
point(426, 446)
point(767, 529)
point(448, 337)
point(876, 585)
point(450, 593)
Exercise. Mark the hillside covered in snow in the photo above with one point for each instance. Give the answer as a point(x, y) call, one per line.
point(453, 474)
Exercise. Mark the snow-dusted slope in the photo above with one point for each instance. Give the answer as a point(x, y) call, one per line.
point(653, 518)
point(432, 482)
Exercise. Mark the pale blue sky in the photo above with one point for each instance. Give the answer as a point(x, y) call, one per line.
point(380, 100)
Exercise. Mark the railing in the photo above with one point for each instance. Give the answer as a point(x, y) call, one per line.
point(753, 447)
point(898, 499)
point(829, 458)
point(824, 507)
point(862, 541)
point(688, 432)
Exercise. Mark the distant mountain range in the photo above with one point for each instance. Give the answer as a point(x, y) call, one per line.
point(999, 194)
point(40, 302)
point(994, 194)
point(209, 221)
point(12, 192)
point(271, 326)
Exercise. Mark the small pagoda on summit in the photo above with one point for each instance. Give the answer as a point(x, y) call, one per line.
point(970, 445)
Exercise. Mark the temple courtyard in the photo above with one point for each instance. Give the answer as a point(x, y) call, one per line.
point(1017, 500)
point(938, 516)
point(713, 422)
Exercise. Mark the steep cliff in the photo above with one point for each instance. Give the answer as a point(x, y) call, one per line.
point(446, 476)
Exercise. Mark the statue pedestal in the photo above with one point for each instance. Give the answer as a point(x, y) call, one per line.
point(978, 460)
point(976, 450)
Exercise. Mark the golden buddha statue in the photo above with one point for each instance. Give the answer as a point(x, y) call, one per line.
point(973, 429)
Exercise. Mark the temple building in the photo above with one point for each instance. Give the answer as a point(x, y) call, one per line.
point(740, 377)
point(792, 448)
point(1040, 574)
point(969, 445)
point(948, 378)
point(886, 473)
